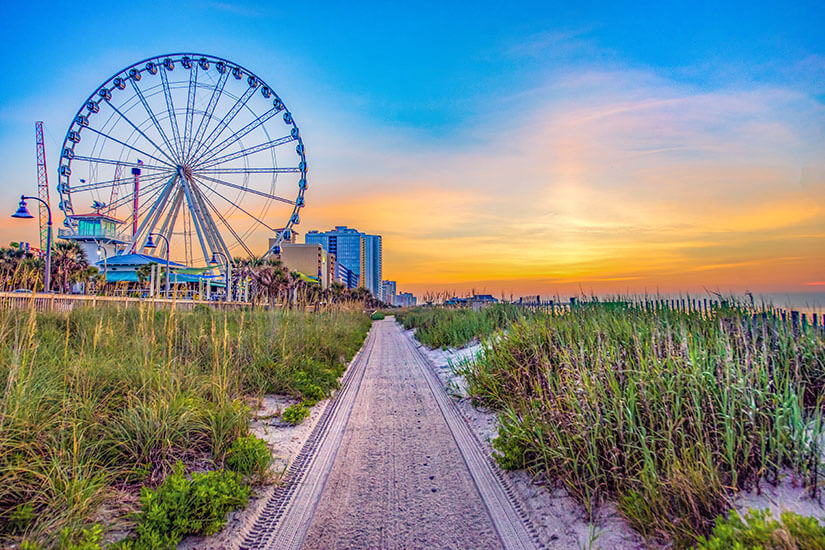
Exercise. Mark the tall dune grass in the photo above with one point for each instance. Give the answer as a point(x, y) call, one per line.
point(441, 327)
point(666, 413)
point(112, 398)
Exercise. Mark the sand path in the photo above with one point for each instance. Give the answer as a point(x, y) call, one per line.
point(399, 479)
point(390, 464)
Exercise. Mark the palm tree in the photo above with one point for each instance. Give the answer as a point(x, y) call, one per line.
point(11, 259)
point(336, 291)
point(68, 263)
point(143, 273)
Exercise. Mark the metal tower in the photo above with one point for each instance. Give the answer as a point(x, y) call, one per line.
point(42, 183)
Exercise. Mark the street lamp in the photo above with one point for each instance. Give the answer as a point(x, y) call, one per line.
point(228, 272)
point(23, 213)
point(151, 246)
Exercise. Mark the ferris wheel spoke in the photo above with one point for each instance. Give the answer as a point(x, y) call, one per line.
point(210, 109)
point(227, 225)
point(132, 147)
point(152, 115)
point(173, 119)
point(151, 191)
point(151, 215)
point(224, 123)
point(249, 170)
point(99, 160)
point(128, 221)
point(237, 135)
point(107, 184)
point(239, 207)
point(248, 190)
point(190, 109)
point(132, 124)
point(246, 152)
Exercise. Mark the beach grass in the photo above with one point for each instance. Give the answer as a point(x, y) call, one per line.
point(439, 327)
point(665, 413)
point(101, 402)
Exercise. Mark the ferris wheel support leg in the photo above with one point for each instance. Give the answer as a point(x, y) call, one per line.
point(171, 217)
point(195, 220)
point(153, 213)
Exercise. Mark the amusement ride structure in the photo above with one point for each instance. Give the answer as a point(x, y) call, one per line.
point(191, 147)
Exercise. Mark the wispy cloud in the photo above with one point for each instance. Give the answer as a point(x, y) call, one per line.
point(236, 8)
point(606, 177)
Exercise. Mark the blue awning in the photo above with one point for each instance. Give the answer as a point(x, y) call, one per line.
point(131, 277)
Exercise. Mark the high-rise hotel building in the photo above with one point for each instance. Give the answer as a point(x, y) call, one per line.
point(358, 252)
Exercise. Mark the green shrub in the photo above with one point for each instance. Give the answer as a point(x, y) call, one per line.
point(377, 316)
point(181, 507)
point(312, 394)
point(250, 457)
point(760, 530)
point(295, 414)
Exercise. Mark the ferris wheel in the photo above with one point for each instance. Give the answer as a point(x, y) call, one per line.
point(192, 147)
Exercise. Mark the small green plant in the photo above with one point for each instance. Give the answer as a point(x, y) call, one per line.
point(377, 316)
point(295, 414)
point(760, 530)
point(181, 506)
point(85, 539)
point(30, 545)
point(250, 457)
point(312, 394)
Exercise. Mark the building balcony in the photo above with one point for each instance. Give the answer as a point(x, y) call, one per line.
point(87, 235)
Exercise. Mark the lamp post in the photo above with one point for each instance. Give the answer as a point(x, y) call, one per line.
point(228, 272)
point(151, 246)
point(23, 213)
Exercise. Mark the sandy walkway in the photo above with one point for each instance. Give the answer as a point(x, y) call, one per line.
point(398, 480)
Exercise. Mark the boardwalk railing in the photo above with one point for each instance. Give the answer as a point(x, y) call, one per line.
point(67, 302)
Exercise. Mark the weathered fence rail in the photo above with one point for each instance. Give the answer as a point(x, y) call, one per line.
point(702, 306)
point(67, 302)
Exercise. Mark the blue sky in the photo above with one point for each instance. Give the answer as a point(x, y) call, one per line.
point(398, 97)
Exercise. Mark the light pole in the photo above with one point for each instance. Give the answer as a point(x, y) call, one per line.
point(228, 272)
point(23, 213)
point(151, 246)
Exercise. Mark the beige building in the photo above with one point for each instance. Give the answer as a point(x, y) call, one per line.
point(309, 259)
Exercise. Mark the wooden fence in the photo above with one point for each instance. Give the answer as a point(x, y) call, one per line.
point(67, 302)
point(702, 306)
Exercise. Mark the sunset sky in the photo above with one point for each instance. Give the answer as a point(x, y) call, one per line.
point(531, 150)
